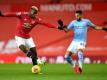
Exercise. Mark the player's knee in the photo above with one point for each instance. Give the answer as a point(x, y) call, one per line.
point(23, 48)
point(82, 50)
point(68, 53)
point(33, 49)
point(66, 56)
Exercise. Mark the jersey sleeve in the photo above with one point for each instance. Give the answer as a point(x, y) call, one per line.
point(89, 23)
point(71, 25)
point(41, 22)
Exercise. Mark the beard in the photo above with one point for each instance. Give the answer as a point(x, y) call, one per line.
point(79, 19)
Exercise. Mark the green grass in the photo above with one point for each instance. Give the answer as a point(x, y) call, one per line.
point(52, 72)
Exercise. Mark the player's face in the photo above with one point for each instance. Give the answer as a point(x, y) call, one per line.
point(33, 12)
point(78, 16)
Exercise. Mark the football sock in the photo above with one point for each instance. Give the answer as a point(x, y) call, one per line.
point(80, 59)
point(34, 54)
point(33, 57)
point(69, 59)
point(34, 60)
point(29, 54)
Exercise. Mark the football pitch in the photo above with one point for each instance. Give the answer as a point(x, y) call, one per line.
point(52, 72)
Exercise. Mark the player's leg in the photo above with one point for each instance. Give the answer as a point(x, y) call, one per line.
point(24, 49)
point(71, 50)
point(34, 59)
point(32, 49)
point(30, 44)
point(21, 44)
point(81, 48)
point(68, 57)
point(80, 60)
point(70, 61)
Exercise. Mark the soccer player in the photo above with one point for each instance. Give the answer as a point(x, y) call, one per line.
point(80, 26)
point(27, 21)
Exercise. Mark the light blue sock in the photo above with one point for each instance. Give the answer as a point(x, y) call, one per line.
point(69, 59)
point(80, 59)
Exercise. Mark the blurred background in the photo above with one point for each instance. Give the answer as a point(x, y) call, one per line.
point(52, 43)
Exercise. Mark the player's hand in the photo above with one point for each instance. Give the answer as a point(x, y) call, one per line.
point(1, 14)
point(105, 29)
point(60, 22)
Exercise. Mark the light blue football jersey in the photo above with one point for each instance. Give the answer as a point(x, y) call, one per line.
point(80, 29)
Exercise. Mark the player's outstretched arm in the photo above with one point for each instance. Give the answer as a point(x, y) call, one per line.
point(48, 24)
point(60, 25)
point(99, 28)
point(9, 14)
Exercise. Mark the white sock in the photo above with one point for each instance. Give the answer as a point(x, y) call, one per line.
point(80, 59)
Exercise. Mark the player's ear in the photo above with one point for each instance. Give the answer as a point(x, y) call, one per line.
point(36, 11)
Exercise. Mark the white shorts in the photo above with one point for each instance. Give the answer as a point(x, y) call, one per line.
point(22, 41)
point(75, 46)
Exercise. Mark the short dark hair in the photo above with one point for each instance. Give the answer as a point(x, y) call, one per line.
point(78, 11)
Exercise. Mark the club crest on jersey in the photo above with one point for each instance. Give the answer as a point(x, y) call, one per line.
point(27, 25)
point(84, 23)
